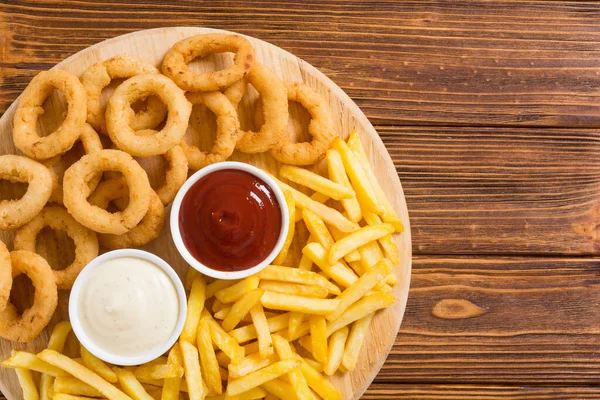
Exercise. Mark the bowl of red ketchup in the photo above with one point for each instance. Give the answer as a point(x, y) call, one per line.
point(229, 220)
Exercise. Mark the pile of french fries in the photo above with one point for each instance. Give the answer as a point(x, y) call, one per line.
point(274, 335)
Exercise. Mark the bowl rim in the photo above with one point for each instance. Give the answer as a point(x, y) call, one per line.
point(176, 207)
point(110, 357)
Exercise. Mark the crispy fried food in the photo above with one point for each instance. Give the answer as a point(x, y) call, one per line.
point(119, 115)
point(275, 111)
point(25, 132)
point(236, 92)
point(148, 229)
point(175, 62)
point(91, 144)
point(102, 221)
point(320, 128)
point(5, 276)
point(16, 213)
point(57, 218)
point(99, 75)
point(28, 325)
point(175, 174)
point(228, 130)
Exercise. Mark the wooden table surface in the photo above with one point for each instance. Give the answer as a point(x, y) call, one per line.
point(491, 112)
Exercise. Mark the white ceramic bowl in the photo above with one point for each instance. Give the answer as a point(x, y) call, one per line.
point(176, 233)
point(93, 347)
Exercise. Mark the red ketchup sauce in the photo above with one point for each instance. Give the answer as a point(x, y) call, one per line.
point(230, 220)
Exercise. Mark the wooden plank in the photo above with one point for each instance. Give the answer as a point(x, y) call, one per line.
point(499, 320)
point(480, 392)
point(492, 190)
point(409, 62)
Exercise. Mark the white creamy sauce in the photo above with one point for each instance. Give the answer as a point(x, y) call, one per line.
point(128, 306)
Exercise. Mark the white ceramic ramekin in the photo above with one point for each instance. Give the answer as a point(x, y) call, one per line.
point(176, 233)
point(93, 347)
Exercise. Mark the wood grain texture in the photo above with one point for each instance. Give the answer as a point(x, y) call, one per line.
point(403, 62)
point(477, 190)
point(539, 323)
point(152, 45)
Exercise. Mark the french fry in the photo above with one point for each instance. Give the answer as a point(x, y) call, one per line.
point(294, 288)
point(295, 275)
point(386, 242)
point(317, 228)
point(279, 389)
point(247, 333)
point(225, 342)
point(197, 389)
point(316, 196)
point(355, 341)
point(171, 386)
point(97, 365)
point(83, 374)
point(217, 285)
point(316, 182)
point(73, 386)
point(154, 392)
point(190, 275)
point(64, 396)
point(357, 267)
point(327, 214)
point(306, 342)
point(356, 239)
point(130, 385)
point(27, 384)
point(252, 394)
point(365, 306)
point(359, 178)
point(56, 342)
point(337, 342)
point(389, 214)
point(158, 371)
point(318, 338)
point(359, 289)
point(296, 318)
point(318, 382)
point(336, 271)
point(288, 302)
point(265, 343)
point(194, 308)
point(337, 235)
point(240, 308)
point(317, 366)
point(252, 347)
point(22, 359)
point(295, 376)
point(291, 206)
point(305, 263)
point(370, 254)
point(233, 293)
point(252, 363)
point(222, 313)
point(257, 378)
point(208, 358)
point(337, 173)
point(302, 330)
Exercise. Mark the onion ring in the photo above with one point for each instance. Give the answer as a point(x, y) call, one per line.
point(5, 276)
point(25, 133)
point(57, 218)
point(275, 111)
point(27, 326)
point(320, 128)
point(91, 144)
point(119, 115)
point(228, 130)
point(15, 213)
point(99, 75)
point(236, 92)
point(147, 230)
point(175, 62)
point(76, 191)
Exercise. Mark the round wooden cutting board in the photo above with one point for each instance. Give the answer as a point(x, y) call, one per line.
point(152, 45)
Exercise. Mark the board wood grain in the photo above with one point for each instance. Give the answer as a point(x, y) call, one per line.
point(152, 45)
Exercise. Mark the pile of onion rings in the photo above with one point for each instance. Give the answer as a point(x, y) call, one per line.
point(103, 198)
